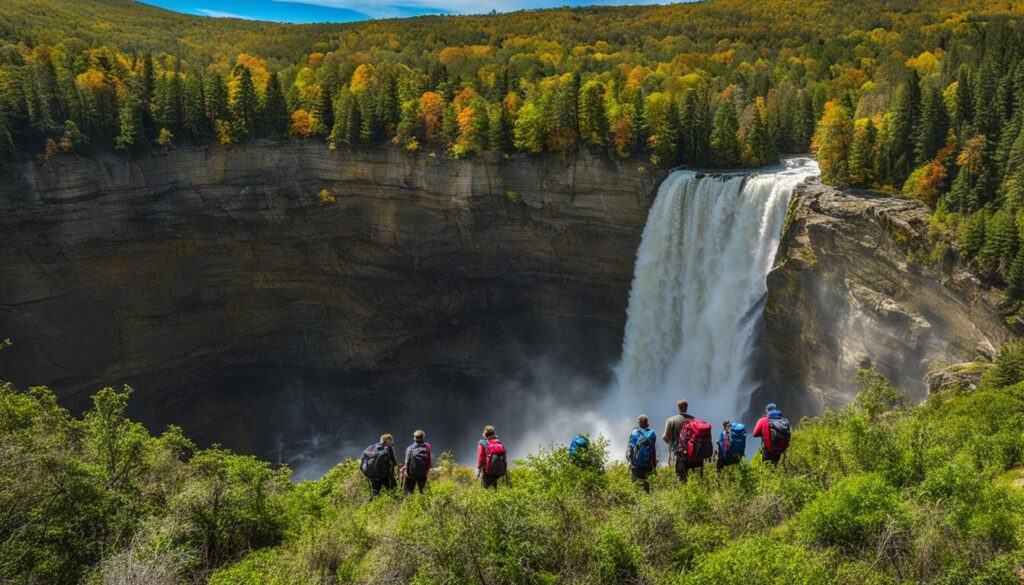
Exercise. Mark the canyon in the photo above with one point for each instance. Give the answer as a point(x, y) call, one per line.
point(277, 296)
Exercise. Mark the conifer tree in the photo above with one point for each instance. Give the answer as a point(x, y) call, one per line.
point(216, 96)
point(905, 111)
point(933, 127)
point(194, 123)
point(725, 144)
point(323, 112)
point(593, 114)
point(695, 128)
point(244, 105)
point(274, 110)
point(862, 156)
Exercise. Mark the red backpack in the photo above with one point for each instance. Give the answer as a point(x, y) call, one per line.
point(695, 440)
point(495, 458)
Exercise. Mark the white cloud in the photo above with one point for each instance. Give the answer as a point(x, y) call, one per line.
point(221, 14)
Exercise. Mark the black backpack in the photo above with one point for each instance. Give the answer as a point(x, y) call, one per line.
point(416, 466)
point(496, 461)
point(376, 462)
point(780, 433)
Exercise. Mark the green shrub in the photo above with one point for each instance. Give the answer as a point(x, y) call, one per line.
point(850, 514)
point(760, 559)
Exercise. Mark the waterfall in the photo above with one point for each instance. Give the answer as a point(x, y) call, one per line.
point(695, 306)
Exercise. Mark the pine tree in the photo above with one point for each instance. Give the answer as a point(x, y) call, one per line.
point(274, 110)
point(323, 112)
point(216, 95)
point(1001, 244)
point(195, 126)
point(244, 105)
point(6, 142)
point(1015, 277)
point(725, 144)
point(906, 111)
point(933, 127)
point(862, 156)
point(146, 89)
point(963, 112)
point(695, 128)
point(593, 114)
point(500, 138)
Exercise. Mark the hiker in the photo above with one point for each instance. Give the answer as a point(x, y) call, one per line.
point(578, 447)
point(672, 427)
point(491, 459)
point(417, 463)
point(693, 446)
point(773, 430)
point(379, 464)
point(642, 452)
point(732, 443)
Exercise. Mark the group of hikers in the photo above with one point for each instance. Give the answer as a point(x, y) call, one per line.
point(689, 442)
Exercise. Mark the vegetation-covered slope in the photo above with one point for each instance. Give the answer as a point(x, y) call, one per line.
point(879, 492)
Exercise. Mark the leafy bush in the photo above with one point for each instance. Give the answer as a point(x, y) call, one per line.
point(851, 514)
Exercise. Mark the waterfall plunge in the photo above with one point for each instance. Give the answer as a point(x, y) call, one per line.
point(698, 290)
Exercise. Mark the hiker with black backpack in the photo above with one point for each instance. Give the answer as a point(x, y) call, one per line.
point(732, 443)
point(491, 459)
point(379, 463)
point(774, 432)
point(642, 452)
point(693, 447)
point(417, 463)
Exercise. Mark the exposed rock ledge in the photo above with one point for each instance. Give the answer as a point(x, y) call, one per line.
point(846, 293)
point(241, 307)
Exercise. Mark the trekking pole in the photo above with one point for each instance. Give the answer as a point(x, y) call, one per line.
point(508, 478)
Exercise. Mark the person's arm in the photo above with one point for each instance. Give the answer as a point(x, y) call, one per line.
point(758, 427)
point(654, 452)
point(479, 456)
point(430, 460)
point(667, 436)
point(629, 448)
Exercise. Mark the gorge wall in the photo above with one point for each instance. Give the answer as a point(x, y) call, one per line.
point(431, 292)
point(243, 308)
point(849, 290)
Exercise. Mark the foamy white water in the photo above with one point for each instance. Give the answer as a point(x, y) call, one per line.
point(695, 305)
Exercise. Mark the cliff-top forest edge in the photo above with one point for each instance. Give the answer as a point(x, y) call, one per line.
point(921, 98)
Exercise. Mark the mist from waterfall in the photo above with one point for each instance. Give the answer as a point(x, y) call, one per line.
point(696, 302)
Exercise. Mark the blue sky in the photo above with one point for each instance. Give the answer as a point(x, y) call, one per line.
point(349, 10)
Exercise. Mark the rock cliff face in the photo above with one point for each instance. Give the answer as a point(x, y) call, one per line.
point(244, 308)
point(846, 293)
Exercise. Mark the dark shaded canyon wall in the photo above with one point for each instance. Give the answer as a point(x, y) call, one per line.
point(239, 306)
point(848, 292)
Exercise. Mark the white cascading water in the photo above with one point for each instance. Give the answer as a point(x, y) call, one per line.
point(698, 289)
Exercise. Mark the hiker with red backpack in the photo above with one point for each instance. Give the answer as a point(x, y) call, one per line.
point(417, 463)
point(642, 452)
point(491, 459)
point(774, 431)
point(694, 445)
point(378, 465)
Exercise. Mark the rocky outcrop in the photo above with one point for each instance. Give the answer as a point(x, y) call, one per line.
point(848, 292)
point(964, 377)
point(262, 296)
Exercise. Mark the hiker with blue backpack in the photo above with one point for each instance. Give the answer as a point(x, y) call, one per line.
point(642, 453)
point(774, 431)
point(578, 447)
point(378, 465)
point(417, 463)
point(491, 459)
point(732, 443)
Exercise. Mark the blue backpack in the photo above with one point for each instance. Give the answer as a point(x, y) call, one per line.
point(641, 443)
point(735, 442)
point(578, 442)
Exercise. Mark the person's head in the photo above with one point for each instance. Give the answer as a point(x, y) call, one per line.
point(770, 408)
point(726, 425)
point(641, 421)
point(683, 406)
point(387, 439)
point(488, 432)
point(418, 436)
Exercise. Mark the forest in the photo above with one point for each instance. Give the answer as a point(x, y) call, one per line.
point(918, 98)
